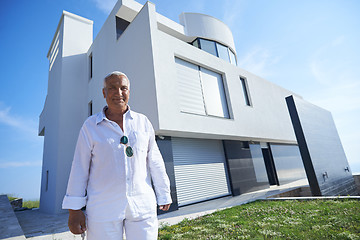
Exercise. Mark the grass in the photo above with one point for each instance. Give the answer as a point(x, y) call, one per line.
point(313, 219)
point(26, 204)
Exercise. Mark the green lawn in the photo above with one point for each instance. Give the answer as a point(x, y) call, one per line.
point(293, 219)
point(27, 204)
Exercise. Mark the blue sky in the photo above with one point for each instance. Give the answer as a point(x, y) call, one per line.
point(309, 47)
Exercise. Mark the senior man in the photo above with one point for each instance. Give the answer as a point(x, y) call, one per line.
point(115, 159)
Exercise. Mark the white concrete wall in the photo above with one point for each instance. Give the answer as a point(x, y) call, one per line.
point(49, 120)
point(65, 107)
point(147, 54)
point(132, 54)
point(266, 120)
point(205, 26)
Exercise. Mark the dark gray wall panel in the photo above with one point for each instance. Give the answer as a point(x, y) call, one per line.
point(165, 148)
point(246, 167)
point(322, 153)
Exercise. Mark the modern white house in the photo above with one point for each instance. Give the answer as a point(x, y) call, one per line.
point(221, 129)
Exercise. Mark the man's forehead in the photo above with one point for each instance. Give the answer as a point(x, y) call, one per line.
point(117, 80)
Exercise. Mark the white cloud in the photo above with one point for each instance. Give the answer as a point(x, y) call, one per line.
point(27, 143)
point(26, 125)
point(258, 61)
point(105, 5)
point(334, 63)
point(339, 99)
point(335, 68)
point(343, 101)
point(20, 164)
point(232, 12)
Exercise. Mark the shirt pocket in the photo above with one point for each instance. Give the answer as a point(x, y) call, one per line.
point(145, 204)
point(141, 141)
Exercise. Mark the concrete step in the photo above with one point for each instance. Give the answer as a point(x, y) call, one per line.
point(10, 228)
point(305, 192)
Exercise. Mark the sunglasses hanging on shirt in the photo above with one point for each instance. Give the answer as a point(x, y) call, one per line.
point(128, 150)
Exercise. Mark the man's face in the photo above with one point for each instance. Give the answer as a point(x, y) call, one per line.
point(117, 92)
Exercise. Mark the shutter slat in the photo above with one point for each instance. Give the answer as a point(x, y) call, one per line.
point(189, 87)
point(200, 171)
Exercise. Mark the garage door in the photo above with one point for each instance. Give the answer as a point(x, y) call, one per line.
point(200, 170)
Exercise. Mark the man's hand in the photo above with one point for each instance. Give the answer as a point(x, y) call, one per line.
point(77, 224)
point(164, 207)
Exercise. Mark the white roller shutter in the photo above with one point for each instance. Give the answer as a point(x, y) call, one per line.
point(200, 170)
point(189, 87)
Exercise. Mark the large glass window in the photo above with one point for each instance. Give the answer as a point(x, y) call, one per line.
point(215, 49)
point(288, 163)
point(214, 94)
point(223, 52)
point(201, 91)
point(208, 46)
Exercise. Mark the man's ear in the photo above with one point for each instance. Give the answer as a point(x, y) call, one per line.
point(104, 94)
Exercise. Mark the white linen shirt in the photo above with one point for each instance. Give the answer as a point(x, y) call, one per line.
point(106, 181)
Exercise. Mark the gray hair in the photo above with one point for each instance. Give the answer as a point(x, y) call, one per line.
point(116, 73)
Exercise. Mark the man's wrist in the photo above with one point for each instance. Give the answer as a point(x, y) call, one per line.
point(74, 211)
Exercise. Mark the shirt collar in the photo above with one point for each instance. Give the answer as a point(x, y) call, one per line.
point(101, 116)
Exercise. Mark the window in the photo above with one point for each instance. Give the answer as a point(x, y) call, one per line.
point(223, 52)
point(232, 57)
point(91, 66)
point(208, 46)
point(214, 94)
point(54, 51)
point(216, 49)
point(201, 91)
point(90, 112)
point(245, 91)
point(196, 43)
point(47, 181)
point(121, 25)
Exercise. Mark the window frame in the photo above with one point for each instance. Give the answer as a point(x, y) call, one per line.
point(120, 26)
point(90, 66)
point(197, 43)
point(90, 108)
point(246, 93)
point(210, 41)
point(227, 52)
point(223, 92)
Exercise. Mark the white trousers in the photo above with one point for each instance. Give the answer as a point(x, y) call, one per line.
point(135, 229)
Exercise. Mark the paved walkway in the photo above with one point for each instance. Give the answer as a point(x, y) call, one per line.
point(9, 225)
point(40, 226)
